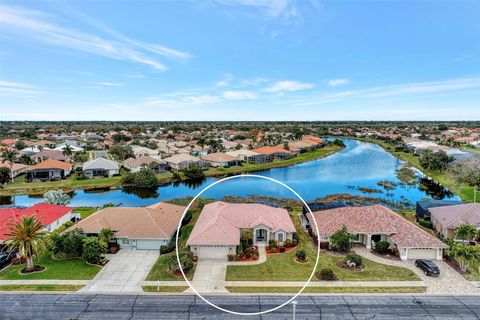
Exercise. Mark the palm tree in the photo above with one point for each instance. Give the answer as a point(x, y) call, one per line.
point(106, 234)
point(9, 156)
point(68, 151)
point(465, 231)
point(465, 255)
point(27, 237)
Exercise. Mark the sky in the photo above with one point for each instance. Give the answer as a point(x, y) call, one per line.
point(239, 60)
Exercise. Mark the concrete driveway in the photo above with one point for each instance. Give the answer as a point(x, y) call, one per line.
point(210, 276)
point(449, 281)
point(124, 272)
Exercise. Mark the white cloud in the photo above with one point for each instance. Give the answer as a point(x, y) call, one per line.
point(288, 85)
point(338, 82)
point(239, 95)
point(109, 84)
point(38, 26)
point(18, 90)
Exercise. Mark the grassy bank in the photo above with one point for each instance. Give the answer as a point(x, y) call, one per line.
point(443, 177)
point(71, 183)
point(40, 287)
point(282, 267)
point(327, 289)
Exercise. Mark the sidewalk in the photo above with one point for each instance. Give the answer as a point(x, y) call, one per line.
point(53, 282)
point(325, 284)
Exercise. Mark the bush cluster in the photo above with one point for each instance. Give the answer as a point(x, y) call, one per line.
point(382, 246)
point(355, 258)
point(424, 223)
point(326, 274)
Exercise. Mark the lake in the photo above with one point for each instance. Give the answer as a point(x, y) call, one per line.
point(355, 170)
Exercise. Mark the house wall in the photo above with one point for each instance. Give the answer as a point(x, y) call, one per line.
point(57, 223)
point(141, 244)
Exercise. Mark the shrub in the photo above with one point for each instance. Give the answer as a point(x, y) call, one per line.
point(236, 257)
point(57, 197)
point(68, 244)
point(145, 178)
point(294, 242)
point(325, 245)
point(186, 261)
point(287, 243)
point(273, 250)
point(340, 240)
point(301, 255)
point(93, 248)
point(281, 249)
point(168, 248)
point(382, 246)
point(254, 256)
point(272, 244)
point(424, 223)
point(326, 274)
point(355, 258)
point(231, 257)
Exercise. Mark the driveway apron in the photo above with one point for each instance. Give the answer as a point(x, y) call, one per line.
point(210, 276)
point(125, 272)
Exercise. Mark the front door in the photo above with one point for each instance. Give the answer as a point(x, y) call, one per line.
point(261, 235)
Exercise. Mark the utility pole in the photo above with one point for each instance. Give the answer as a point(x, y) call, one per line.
point(294, 303)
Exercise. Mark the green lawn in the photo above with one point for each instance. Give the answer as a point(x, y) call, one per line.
point(84, 211)
point(160, 271)
point(164, 289)
point(282, 267)
point(40, 287)
point(71, 183)
point(327, 289)
point(72, 269)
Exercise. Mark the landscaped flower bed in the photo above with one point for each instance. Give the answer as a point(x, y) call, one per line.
point(280, 249)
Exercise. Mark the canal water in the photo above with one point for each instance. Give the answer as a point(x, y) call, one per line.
point(356, 170)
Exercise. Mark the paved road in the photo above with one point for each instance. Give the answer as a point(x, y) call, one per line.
point(91, 306)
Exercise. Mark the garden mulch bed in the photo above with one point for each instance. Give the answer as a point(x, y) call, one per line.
point(301, 261)
point(244, 258)
point(33, 270)
point(343, 265)
point(267, 249)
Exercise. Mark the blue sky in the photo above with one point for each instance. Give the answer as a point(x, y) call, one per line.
point(240, 60)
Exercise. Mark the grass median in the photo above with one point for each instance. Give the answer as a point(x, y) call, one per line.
point(327, 289)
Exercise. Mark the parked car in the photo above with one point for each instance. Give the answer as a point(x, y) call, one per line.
point(428, 267)
point(4, 259)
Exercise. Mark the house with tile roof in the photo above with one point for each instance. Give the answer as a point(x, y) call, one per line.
point(136, 228)
point(275, 153)
point(217, 231)
point(370, 224)
point(16, 168)
point(100, 168)
point(446, 219)
point(49, 170)
point(249, 156)
point(135, 164)
point(220, 159)
point(185, 161)
point(50, 215)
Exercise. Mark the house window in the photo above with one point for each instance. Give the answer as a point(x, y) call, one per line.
point(125, 241)
point(280, 237)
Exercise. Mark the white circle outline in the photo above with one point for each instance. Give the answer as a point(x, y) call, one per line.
point(246, 313)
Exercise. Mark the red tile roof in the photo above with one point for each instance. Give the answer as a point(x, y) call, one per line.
point(220, 222)
point(375, 219)
point(46, 213)
point(52, 164)
point(270, 150)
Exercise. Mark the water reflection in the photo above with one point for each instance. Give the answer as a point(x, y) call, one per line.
point(356, 171)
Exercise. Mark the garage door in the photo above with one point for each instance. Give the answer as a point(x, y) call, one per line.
point(148, 244)
point(422, 254)
point(213, 252)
